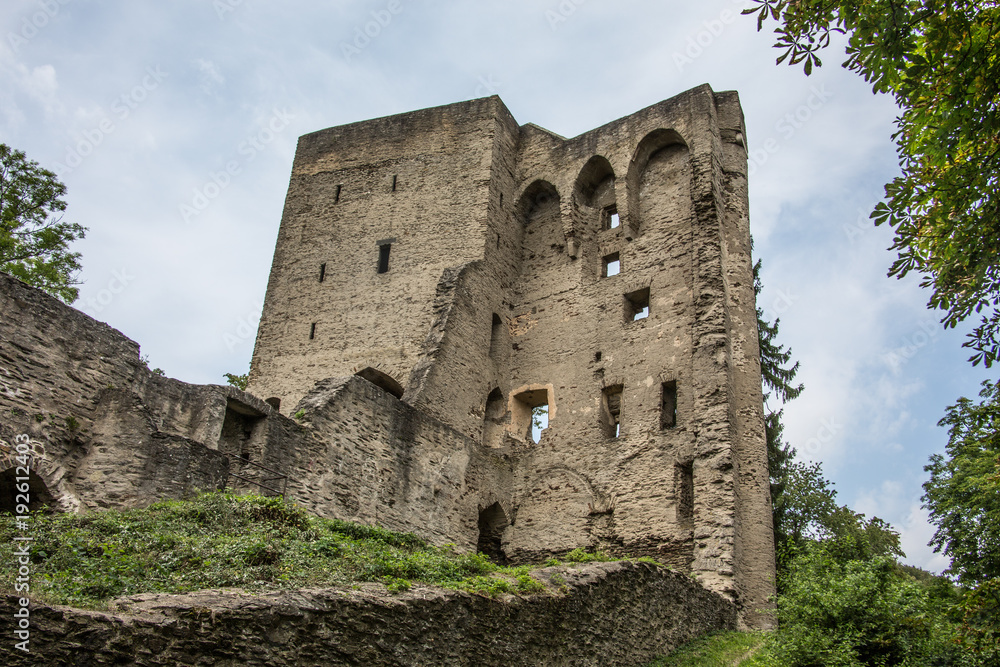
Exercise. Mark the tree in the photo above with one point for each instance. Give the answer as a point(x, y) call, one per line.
point(940, 60)
point(238, 381)
point(778, 377)
point(963, 492)
point(34, 239)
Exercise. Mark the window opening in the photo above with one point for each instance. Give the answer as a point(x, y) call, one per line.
point(383, 257)
point(492, 523)
point(597, 356)
point(610, 218)
point(612, 404)
point(539, 421)
point(637, 305)
point(312, 331)
point(322, 272)
point(668, 405)
point(336, 195)
point(394, 182)
point(496, 337)
point(612, 265)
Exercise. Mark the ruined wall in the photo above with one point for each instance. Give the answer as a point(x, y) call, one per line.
point(121, 436)
point(597, 614)
point(607, 276)
point(75, 386)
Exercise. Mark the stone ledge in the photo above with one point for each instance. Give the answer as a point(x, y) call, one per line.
point(619, 613)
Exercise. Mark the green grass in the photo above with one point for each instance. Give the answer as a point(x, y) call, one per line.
point(720, 649)
point(225, 540)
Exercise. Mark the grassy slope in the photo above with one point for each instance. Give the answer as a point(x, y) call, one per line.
point(219, 540)
point(721, 649)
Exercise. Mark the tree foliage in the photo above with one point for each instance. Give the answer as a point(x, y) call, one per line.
point(939, 60)
point(858, 612)
point(34, 239)
point(778, 377)
point(238, 381)
point(963, 492)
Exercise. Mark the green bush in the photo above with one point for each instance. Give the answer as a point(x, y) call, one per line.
point(835, 613)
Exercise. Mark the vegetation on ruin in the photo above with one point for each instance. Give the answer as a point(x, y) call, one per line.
point(250, 542)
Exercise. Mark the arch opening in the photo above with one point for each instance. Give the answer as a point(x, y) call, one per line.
point(380, 379)
point(12, 484)
point(492, 524)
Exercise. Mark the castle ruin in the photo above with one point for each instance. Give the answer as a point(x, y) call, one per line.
point(439, 277)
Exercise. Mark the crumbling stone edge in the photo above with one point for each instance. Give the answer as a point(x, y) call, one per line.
point(619, 613)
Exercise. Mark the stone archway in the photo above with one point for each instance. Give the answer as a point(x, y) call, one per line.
point(12, 487)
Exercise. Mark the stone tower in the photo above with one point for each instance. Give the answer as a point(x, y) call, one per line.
point(477, 269)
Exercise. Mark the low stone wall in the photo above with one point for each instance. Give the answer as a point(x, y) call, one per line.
point(598, 614)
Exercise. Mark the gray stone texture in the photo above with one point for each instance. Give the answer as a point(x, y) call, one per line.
point(497, 299)
point(599, 614)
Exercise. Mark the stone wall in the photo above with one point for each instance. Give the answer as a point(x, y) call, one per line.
point(501, 300)
point(599, 614)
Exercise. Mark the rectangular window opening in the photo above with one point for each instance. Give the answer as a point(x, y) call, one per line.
point(383, 257)
point(336, 196)
point(322, 272)
point(312, 331)
point(668, 405)
point(539, 421)
point(394, 182)
point(612, 404)
point(612, 265)
point(637, 305)
point(609, 218)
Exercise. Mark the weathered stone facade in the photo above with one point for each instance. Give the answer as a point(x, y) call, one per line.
point(600, 614)
point(437, 275)
point(467, 265)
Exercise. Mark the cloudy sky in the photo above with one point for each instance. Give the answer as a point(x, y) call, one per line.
point(174, 125)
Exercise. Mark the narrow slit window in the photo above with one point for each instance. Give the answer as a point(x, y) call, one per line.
point(394, 176)
point(312, 331)
point(336, 195)
point(322, 272)
point(612, 404)
point(637, 305)
point(383, 257)
point(496, 337)
point(668, 405)
point(610, 218)
point(612, 265)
